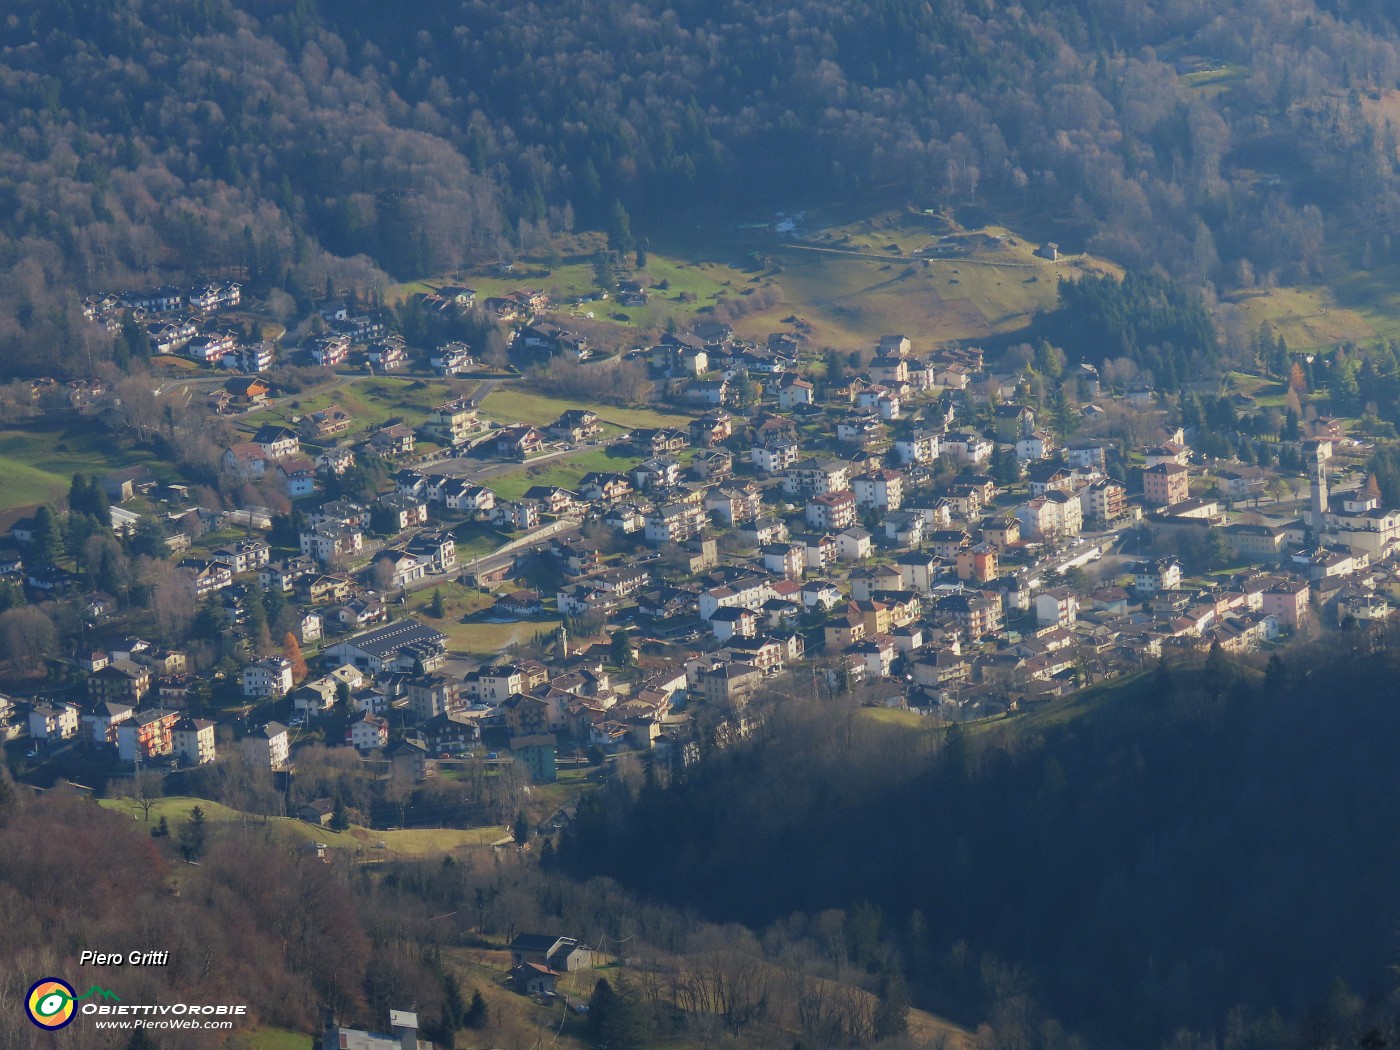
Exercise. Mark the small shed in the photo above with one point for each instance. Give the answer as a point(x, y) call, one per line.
point(318, 812)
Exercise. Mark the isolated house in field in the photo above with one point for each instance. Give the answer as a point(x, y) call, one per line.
point(318, 812)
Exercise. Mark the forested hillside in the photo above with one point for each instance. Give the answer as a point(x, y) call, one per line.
point(1194, 850)
point(292, 142)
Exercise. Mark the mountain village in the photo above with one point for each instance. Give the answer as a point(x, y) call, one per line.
point(915, 530)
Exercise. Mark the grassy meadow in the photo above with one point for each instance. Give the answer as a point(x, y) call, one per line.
point(407, 842)
point(508, 404)
point(37, 464)
point(371, 400)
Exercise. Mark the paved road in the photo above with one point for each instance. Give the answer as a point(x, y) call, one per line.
point(483, 391)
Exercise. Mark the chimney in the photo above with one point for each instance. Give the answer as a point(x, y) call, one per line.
point(405, 1028)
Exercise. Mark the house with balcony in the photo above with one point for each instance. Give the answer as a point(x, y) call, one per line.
point(193, 742)
point(270, 677)
point(146, 735)
point(54, 722)
point(268, 746)
point(453, 423)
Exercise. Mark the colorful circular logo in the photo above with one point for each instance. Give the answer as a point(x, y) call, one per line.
point(49, 1003)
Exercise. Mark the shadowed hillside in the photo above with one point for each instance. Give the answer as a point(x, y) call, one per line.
point(1177, 846)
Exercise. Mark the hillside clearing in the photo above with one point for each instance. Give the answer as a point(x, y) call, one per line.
point(1309, 319)
point(407, 842)
point(37, 464)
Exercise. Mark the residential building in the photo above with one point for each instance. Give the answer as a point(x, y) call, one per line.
point(1166, 483)
point(774, 456)
point(368, 733)
point(438, 550)
point(453, 423)
point(575, 426)
point(193, 741)
point(728, 683)
point(1153, 577)
point(966, 446)
point(832, 511)
point(537, 754)
point(434, 694)
point(976, 613)
point(398, 568)
point(331, 544)
point(1287, 601)
point(852, 543)
point(881, 489)
point(270, 677)
point(393, 441)
point(121, 681)
point(276, 441)
point(100, 722)
point(675, 523)
point(53, 722)
point(788, 560)
point(977, 564)
point(518, 441)
point(1057, 606)
point(563, 954)
point(815, 477)
point(402, 512)
point(920, 447)
point(451, 359)
point(244, 556)
point(1108, 501)
point(146, 735)
point(268, 745)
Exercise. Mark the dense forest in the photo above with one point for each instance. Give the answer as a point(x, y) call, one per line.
point(1194, 850)
point(289, 143)
point(1150, 319)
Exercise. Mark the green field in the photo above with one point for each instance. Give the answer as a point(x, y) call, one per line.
point(476, 538)
point(415, 842)
point(512, 405)
point(268, 1039)
point(850, 288)
point(1309, 319)
point(851, 281)
point(564, 472)
point(37, 465)
point(458, 600)
point(371, 400)
point(895, 717)
point(1371, 289)
point(484, 639)
point(1210, 82)
point(692, 286)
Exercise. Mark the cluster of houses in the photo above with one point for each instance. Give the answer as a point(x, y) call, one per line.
point(203, 297)
point(902, 534)
point(181, 321)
